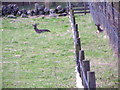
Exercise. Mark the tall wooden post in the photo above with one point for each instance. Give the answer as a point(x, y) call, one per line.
point(119, 44)
point(85, 8)
point(91, 80)
point(23, 3)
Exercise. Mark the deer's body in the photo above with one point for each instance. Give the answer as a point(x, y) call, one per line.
point(98, 27)
point(40, 30)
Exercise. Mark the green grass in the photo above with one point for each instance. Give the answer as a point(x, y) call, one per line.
point(37, 60)
point(47, 60)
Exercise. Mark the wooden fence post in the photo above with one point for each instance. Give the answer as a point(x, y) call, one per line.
point(79, 44)
point(74, 20)
point(81, 58)
point(86, 66)
point(91, 80)
point(72, 12)
point(72, 16)
point(81, 55)
point(76, 31)
point(77, 49)
point(85, 8)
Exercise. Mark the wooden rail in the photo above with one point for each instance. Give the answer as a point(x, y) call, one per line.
point(83, 66)
point(81, 8)
point(82, 12)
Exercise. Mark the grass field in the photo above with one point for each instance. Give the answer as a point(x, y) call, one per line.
point(47, 60)
point(37, 60)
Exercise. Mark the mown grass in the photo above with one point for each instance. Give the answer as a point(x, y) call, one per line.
point(37, 60)
point(47, 60)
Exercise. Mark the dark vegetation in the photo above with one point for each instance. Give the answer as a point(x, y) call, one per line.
point(12, 10)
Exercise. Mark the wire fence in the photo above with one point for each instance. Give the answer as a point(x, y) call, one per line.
point(107, 16)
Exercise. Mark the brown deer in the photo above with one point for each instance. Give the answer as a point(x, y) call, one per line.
point(99, 28)
point(39, 30)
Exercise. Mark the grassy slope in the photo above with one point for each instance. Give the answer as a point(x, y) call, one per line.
point(47, 60)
